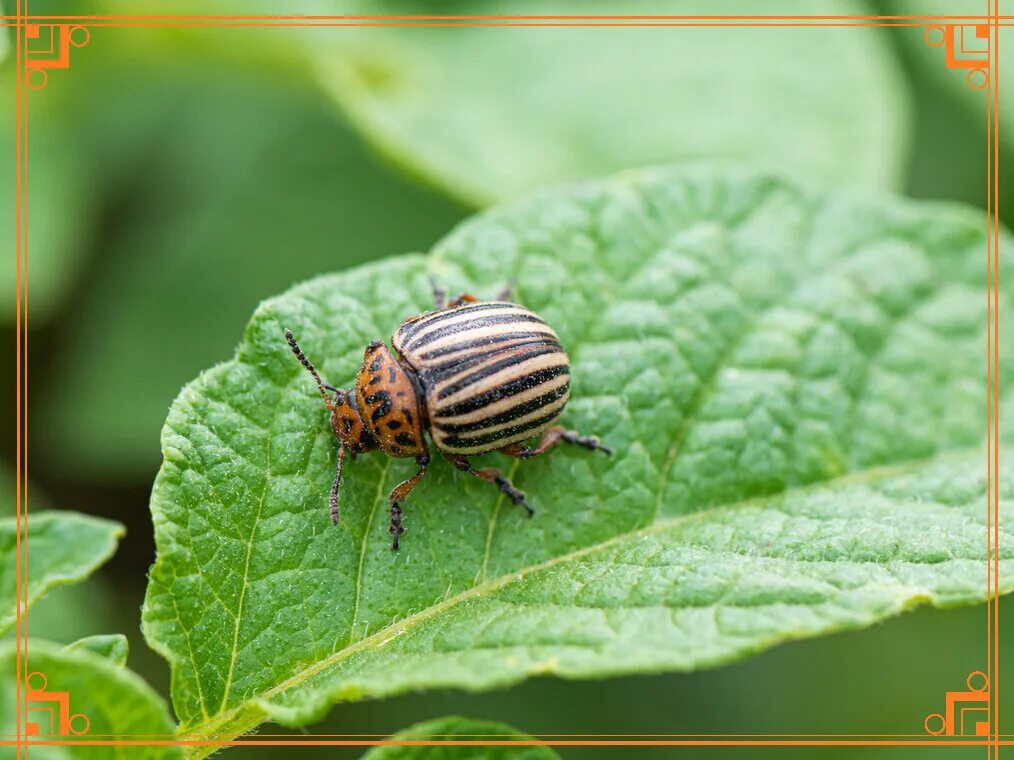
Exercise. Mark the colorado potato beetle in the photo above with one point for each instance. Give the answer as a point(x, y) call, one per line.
point(478, 376)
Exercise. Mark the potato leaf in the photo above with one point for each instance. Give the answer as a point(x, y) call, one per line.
point(66, 547)
point(454, 727)
point(542, 105)
point(114, 647)
point(794, 386)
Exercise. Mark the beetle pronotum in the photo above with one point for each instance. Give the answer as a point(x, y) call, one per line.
point(478, 376)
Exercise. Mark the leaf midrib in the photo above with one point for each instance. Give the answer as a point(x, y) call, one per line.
point(382, 636)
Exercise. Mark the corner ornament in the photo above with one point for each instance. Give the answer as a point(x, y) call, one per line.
point(55, 705)
point(47, 46)
point(974, 703)
point(966, 46)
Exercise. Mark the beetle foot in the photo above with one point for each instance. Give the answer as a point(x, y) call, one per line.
point(590, 442)
point(512, 493)
point(395, 530)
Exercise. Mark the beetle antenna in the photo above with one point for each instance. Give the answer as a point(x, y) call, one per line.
point(306, 363)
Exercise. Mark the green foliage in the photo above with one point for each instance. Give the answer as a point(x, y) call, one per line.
point(114, 700)
point(66, 547)
point(536, 106)
point(61, 208)
point(462, 729)
point(792, 382)
point(112, 646)
point(211, 215)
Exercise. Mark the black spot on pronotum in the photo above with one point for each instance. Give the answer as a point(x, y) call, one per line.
point(383, 401)
point(394, 424)
point(405, 439)
point(392, 375)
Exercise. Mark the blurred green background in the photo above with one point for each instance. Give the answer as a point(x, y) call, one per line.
point(179, 176)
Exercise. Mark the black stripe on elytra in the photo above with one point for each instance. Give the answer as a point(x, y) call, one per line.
point(441, 332)
point(384, 399)
point(506, 390)
point(454, 366)
point(505, 363)
point(409, 328)
point(486, 341)
point(454, 441)
point(515, 412)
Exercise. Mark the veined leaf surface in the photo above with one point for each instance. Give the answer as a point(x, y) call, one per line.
point(794, 386)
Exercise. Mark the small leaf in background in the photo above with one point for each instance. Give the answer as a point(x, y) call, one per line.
point(66, 547)
point(463, 729)
point(115, 701)
point(113, 647)
point(243, 183)
point(541, 105)
point(792, 382)
point(61, 203)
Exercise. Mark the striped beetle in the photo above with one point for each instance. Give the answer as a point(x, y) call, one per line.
point(479, 376)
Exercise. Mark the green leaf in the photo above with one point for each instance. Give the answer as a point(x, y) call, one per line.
point(454, 727)
point(66, 547)
point(233, 187)
point(112, 646)
point(114, 700)
point(535, 106)
point(794, 386)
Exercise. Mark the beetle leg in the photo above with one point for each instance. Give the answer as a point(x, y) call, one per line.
point(439, 296)
point(493, 475)
point(507, 294)
point(399, 494)
point(337, 484)
point(554, 437)
point(460, 299)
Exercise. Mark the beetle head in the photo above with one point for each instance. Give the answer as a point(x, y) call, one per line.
point(346, 422)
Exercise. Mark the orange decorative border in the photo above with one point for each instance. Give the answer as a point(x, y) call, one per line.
point(953, 37)
point(976, 695)
point(962, 38)
point(61, 38)
point(64, 720)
